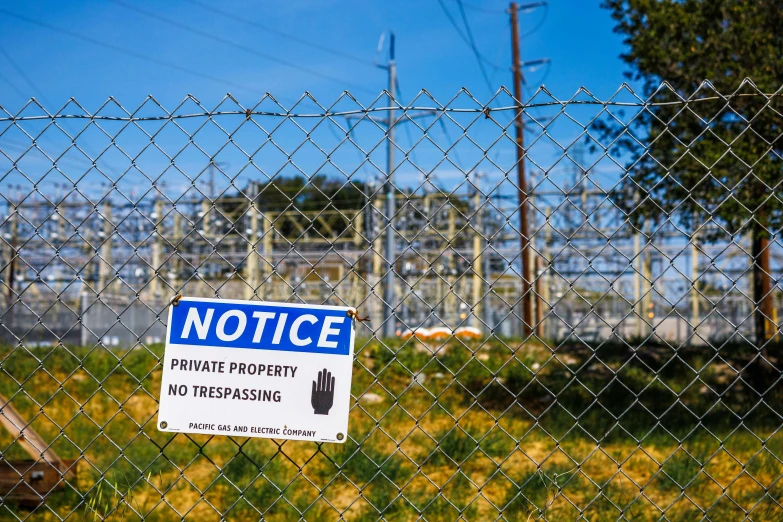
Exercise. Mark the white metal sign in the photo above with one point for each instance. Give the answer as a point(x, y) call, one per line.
point(257, 369)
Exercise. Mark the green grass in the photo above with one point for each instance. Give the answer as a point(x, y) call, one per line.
point(477, 430)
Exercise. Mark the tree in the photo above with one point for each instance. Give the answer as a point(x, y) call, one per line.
point(712, 166)
point(314, 194)
point(317, 194)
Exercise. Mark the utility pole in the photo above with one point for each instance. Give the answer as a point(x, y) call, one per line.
point(212, 180)
point(211, 168)
point(524, 238)
point(389, 318)
point(390, 249)
point(519, 124)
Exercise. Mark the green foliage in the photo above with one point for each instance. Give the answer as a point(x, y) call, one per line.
point(720, 158)
point(317, 193)
point(480, 418)
point(115, 497)
point(684, 42)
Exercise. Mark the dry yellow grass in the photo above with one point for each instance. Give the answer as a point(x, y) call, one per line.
point(427, 448)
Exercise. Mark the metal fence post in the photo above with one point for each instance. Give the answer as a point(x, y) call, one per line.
point(389, 299)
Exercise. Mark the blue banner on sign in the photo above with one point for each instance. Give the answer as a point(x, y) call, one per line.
point(260, 327)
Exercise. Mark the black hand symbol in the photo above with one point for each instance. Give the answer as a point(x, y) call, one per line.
point(323, 393)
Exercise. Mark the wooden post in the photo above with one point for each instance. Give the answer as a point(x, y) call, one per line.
point(340, 277)
point(767, 306)
point(27, 437)
point(637, 285)
point(358, 225)
point(695, 282)
point(267, 256)
point(12, 255)
point(105, 274)
point(206, 232)
point(377, 269)
point(157, 251)
point(205, 207)
point(535, 276)
point(647, 286)
point(176, 258)
point(60, 284)
point(451, 314)
point(357, 288)
point(251, 265)
point(476, 263)
point(546, 290)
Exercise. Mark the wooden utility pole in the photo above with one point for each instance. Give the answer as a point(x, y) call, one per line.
point(524, 237)
point(762, 288)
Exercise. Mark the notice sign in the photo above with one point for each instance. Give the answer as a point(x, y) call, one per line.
point(256, 369)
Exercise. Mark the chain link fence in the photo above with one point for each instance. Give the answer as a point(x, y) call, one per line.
point(614, 355)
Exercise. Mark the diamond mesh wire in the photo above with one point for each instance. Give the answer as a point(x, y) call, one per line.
point(646, 384)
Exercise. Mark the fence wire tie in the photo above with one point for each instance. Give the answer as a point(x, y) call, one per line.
point(175, 300)
point(353, 313)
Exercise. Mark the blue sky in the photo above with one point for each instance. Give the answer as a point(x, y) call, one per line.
point(576, 35)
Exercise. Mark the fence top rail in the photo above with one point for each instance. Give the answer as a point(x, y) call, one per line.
point(480, 108)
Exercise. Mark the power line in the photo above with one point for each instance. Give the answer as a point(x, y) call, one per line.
point(540, 23)
point(8, 144)
point(85, 145)
point(282, 34)
point(483, 9)
point(473, 47)
point(13, 86)
point(127, 52)
point(231, 43)
point(464, 37)
point(411, 151)
point(468, 39)
point(24, 76)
